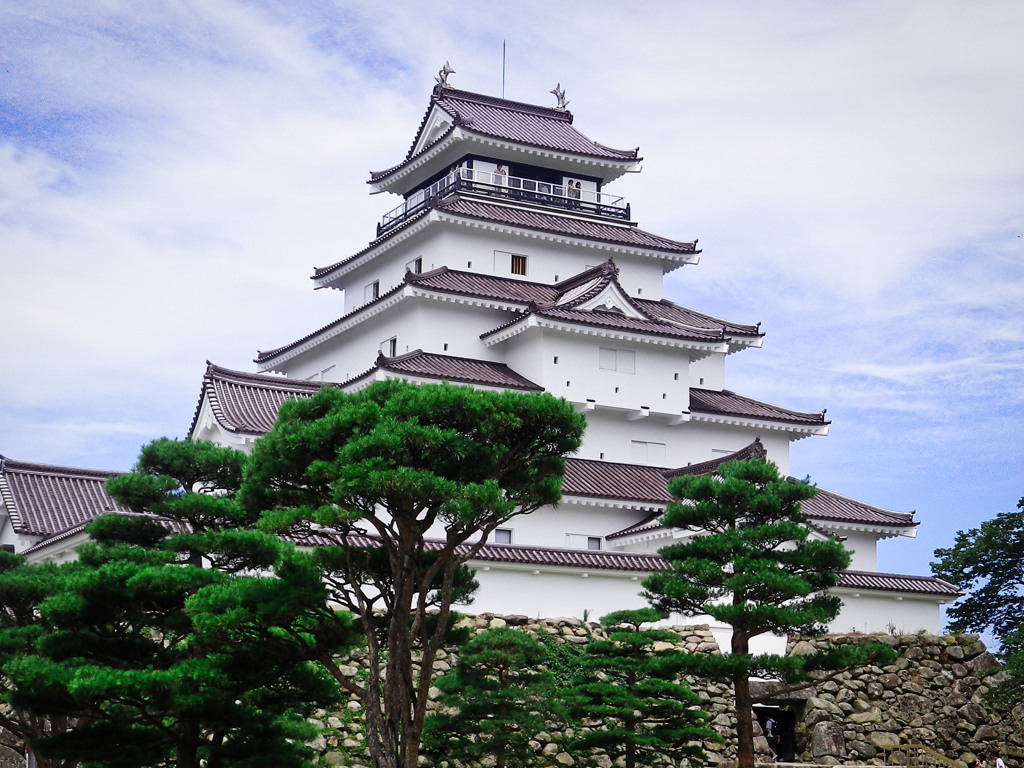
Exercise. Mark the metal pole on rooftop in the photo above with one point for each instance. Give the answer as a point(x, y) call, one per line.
point(503, 69)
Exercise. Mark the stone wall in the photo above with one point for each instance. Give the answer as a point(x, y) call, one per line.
point(932, 694)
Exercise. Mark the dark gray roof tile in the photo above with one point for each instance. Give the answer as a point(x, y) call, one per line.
point(730, 404)
point(43, 499)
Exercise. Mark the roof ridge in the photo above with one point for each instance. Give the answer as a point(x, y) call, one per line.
point(7, 464)
point(440, 94)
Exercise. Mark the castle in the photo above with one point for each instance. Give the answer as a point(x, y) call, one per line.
point(509, 265)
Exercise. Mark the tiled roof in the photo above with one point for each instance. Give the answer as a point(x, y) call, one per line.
point(248, 402)
point(541, 221)
point(647, 563)
point(512, 121)
point(447, 368)
point(828, 506)
point(892, 582)
point(613, 320)
point(44, 499)
point(667, 311)
point(649, 485)
point(485, 286)
point(730, 404)
point(533, 219)
point(608, 480)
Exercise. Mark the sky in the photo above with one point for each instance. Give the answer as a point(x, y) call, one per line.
point(170, 174)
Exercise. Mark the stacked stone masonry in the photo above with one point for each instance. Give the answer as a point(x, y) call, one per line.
point(933, 694)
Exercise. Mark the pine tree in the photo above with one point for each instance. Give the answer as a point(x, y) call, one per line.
point(402, 485)
point(498, 697)
point(630, 695)
point(161, 648)
point(752, 563)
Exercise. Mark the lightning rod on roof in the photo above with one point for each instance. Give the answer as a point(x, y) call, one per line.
point(503, 69)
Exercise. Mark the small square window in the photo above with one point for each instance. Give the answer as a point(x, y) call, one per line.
point(372, 291)
point(593, 542)
point(502, 535)
point(556, 359)
point(389, 347)
point(518, 264)
point(415, 266)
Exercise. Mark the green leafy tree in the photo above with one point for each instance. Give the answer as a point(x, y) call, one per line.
point(498, 697)
point(402, 485)
point(753, 564)
point(988, 564)
point(164, 660)
point(630, 690)
point(22, 588)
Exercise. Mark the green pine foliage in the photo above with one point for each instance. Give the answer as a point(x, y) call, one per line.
point(630, 694)
point(495, 701)
point(165, 644)
point(400, 485)
point(753, 563)
point(988, 564)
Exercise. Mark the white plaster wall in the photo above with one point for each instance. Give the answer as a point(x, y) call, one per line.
point(550, 594)
point(415, 323)
point(473, 250)
point(551, 526)
point(568, 365)
point(876, 612)
point(610, 433)
point(863, 547)
point(708, 372)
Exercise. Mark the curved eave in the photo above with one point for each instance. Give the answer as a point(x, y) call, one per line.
point(674, 258)
point(402, 178)
point(326, 277)
point(908, 530)
point(516, 327)
point(797, 430)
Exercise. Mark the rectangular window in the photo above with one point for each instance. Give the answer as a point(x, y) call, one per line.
point(593, 542)
point(389, 347)
point(518, 264)
point(502, 535)
point(582, 541)
point(651, 454)
point(621, 360)
point(415, 266)
point(372, 291)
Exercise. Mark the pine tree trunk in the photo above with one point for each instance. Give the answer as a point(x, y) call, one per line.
point(744, 714)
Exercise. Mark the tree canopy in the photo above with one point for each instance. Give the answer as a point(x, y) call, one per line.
point(629, 687)
point(752, 562)
point(497, 699)
point(987, 562)
point(147, 647)
point(399, 486)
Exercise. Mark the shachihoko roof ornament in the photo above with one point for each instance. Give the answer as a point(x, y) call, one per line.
point(442, 75)
point(560, 95)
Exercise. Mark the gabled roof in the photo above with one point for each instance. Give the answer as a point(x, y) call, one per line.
point(461, 208)
point(447, 368)
point(668, 319)
point(668, 311)
point(248, 402)
point(43, 499)
point(649, 485)
point(726, 403)
point(512, 121)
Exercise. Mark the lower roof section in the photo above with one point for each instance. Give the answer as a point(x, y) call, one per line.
point(42, 499)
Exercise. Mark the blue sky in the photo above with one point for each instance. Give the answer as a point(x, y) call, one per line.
point(170, 174)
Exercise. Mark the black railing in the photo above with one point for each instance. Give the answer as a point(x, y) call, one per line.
point(502, 186)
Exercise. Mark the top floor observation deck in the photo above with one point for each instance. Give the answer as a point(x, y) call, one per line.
point(513, 189)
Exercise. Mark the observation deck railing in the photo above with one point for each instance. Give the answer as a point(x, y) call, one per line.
point(502, 186)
